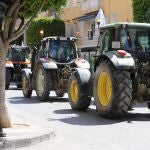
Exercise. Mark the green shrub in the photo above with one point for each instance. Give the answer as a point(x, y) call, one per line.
point(140, 10)
point(51, 27)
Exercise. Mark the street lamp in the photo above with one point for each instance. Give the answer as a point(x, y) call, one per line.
point(41, 33)
point(98, 21)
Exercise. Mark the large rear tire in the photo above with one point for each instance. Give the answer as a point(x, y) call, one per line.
point(112, 90)
point(7, 79)
point(77, 98)
point(42, 83)
point(26, 86)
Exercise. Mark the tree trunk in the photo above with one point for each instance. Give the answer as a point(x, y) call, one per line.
point(4, 117)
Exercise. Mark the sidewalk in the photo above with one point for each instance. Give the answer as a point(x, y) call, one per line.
point(23, 132)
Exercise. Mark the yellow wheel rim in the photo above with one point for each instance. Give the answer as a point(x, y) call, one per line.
point(104, 88)
point(74, 91)
point(40, 82)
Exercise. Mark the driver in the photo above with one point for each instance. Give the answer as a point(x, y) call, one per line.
point(60, 53)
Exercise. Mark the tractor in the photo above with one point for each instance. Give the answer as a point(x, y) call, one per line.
point(51, 67)
point(121, 75)
point(18, 57)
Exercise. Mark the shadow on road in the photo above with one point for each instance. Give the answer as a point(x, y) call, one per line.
point(54, 99)
point(34, 99)
point(22, 100)
point(91, 117)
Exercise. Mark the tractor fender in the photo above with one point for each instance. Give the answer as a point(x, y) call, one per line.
point(48, 64)
point(119, 62)
point(27, 72)
point(84, 77)
point(82, 63)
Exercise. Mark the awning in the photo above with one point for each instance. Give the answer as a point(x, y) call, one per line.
point(86, 17)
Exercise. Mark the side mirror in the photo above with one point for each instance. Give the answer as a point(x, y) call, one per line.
point(90, 34)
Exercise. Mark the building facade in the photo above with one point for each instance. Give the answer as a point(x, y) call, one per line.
point(80, 16)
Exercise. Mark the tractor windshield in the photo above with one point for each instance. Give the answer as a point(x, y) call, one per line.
point(62, 50)
point(137, 39)
point(18, 54)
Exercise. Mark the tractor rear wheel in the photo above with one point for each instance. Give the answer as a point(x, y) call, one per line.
point(148, 105)
point(7, 79)
point(77, 99)
point(112, 90)
point(26, 87)
point(42, 83)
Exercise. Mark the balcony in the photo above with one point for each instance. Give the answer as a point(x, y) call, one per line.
point(89, 6)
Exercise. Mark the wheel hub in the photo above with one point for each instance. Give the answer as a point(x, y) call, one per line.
point(104, 89)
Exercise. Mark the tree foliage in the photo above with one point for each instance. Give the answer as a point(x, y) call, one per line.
point(51, 27)
point(26, 11)
point(141, 10)
point(21, 9)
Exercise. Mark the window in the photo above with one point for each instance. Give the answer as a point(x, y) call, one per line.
point(124, 40)
point(81, 28)
point(43, 52)
point(74, 29)
point(68, 4)
point(140, 39)
point(74, 3)
point(105, 42)
point(62, 51)
point(68, 29)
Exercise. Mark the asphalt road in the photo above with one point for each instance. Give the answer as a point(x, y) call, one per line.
point(83, 130)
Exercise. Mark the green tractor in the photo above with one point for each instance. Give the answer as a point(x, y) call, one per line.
point(121, 73)
point(51, 67)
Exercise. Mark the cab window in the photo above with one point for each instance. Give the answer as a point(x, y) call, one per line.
point(105, 42)
point(124, 40)
point(42, 52)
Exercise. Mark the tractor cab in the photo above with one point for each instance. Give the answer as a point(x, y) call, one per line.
point(60, 50)
point(133, 38)
point(18, 54)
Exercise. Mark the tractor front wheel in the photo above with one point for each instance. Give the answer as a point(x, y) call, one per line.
point(26, 86)
point(112, 90)
point(77, 98)
point(42, 83)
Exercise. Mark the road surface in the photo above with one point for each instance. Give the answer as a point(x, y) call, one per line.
point(83, 130)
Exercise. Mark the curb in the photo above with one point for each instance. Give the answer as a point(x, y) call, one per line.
point(7, 144)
